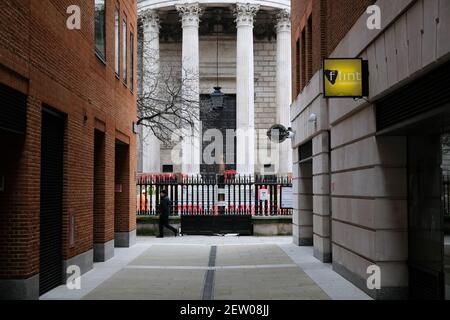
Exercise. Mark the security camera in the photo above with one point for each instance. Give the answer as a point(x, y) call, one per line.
point(313, 118)
point(291, 134)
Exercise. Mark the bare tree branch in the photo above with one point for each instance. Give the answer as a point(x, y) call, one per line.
point(168, 99)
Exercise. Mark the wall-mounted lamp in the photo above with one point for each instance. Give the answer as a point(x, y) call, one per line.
point(313, 118)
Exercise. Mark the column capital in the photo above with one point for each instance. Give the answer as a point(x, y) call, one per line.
point(190, 14)
point(245, 13)
point(283, 21)
point(150, 20)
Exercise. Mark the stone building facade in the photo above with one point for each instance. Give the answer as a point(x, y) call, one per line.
point(68, 178)
point(368, 173)
point(259, 96)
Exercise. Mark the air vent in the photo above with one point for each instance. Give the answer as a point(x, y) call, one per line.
point(13, 106)
point(423, 95)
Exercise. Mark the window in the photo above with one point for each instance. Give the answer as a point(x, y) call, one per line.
point(303, 60)
point(100, 38)
point(297, 69)
point(131, 61)
point(309, 49)
point(117, 41)
point(305, 152)
point(124, 48)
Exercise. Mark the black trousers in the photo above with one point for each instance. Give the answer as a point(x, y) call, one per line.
point(164, 222)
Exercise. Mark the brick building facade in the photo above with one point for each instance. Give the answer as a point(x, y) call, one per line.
point(317, 28)
point(66, 132)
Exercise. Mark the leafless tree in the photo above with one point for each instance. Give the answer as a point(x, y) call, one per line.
point(168, 98)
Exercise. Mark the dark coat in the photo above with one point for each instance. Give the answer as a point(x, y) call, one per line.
point(164, 207)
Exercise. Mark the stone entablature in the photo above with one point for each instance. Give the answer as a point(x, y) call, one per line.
point(170, 4)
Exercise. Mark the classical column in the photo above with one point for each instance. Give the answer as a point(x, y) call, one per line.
point(191, 150)
point(245, 89)
point(284, 89)
point(150, 145)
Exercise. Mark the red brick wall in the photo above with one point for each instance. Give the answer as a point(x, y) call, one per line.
point(331, 20)
point(58, 67)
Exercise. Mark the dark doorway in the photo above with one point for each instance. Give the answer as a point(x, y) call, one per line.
point(52, 156)
point(122, 191)
point(222, 119)
point(99, 228)
point(425, 223)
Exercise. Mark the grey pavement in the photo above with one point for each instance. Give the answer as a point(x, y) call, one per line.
point(243, 268)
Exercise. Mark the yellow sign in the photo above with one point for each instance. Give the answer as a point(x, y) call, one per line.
point(343, 78)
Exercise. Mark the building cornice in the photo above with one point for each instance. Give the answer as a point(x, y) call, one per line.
point(170, 4)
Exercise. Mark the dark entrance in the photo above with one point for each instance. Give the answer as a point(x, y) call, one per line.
point(222, 119)
point(421, 111)
point(426, 236)
point(52, 152)
point(99, 194)
point(122, 192)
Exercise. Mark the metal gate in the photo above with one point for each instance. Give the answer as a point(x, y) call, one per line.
point(196, 200)
point(52, 148)
point(198, 195)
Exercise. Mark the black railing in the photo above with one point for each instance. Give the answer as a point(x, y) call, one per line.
point(198, 195)
point(446, 194)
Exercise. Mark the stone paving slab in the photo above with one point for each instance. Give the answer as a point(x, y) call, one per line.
point(337, 287)
point(174, 255)
point(266, 284)
point(141, 284)
point(264, 254)
point(246, 268)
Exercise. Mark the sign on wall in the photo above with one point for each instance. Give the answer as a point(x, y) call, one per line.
point(345, 78)
point(287, 198)
point(264, 195)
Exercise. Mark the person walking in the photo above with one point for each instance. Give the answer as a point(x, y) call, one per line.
point(164, 213)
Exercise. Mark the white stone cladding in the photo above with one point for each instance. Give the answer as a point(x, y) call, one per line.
point(356, 210)
point(265, 81)
point(259, 96)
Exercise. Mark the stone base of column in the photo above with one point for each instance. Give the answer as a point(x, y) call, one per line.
point(103, 251)
point(324, 257)
point(20, 289)
point(385, 293)
point(84, 261)
point(302, 236)
point(125, 239)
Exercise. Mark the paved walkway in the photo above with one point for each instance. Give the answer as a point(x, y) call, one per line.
point(221, 268)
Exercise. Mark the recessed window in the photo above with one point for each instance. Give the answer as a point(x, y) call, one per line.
point(131, 61)
point(167, 168)
point(100, 26)
point(117, 41)
point(124, 48)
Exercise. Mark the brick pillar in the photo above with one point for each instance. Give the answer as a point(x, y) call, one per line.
point(103, 210)
point(125, 231)
point(321, 198)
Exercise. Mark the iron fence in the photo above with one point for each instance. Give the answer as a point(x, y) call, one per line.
point(446, 194)
point(198, 195)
